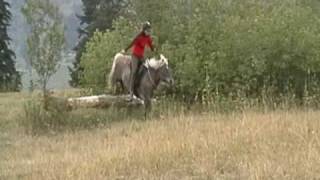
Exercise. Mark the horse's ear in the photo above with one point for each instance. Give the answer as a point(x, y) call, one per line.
point(162, 57)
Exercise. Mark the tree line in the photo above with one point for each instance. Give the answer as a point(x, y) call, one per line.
point(233, 48)
point(9, 77)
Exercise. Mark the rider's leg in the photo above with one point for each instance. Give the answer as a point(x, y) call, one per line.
point(138, 73)
point(133, 73)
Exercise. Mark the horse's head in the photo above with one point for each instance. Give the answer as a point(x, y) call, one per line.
point(164, 71)
point(161, 66)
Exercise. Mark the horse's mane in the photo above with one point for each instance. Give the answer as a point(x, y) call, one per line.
point(156, 64)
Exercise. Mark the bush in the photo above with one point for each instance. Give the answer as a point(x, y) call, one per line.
point(38, 120)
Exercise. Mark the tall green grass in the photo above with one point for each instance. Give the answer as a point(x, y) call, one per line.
point(58, 117)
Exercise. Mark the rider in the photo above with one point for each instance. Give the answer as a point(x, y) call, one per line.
point(139, 43)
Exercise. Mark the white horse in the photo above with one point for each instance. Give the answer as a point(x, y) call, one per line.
point(152, 72)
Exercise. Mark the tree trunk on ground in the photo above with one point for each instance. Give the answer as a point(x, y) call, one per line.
point(100, 101)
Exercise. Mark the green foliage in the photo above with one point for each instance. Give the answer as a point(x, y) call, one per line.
point(9, 77)
point(247, 48)
point(234, 49)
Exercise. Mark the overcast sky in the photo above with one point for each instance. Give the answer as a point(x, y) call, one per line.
point(18, 33)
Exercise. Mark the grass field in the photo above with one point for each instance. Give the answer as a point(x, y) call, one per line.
point(242, 145)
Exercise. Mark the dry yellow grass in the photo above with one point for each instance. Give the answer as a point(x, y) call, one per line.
point(247, 145)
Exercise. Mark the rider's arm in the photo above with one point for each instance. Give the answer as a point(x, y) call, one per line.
point(131, 44)
point(150, 44)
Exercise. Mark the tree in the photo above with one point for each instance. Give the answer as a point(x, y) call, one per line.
point(46, 40)
point(98, 16)
point(9, 77)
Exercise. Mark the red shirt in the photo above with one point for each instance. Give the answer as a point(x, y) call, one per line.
point(140, 43)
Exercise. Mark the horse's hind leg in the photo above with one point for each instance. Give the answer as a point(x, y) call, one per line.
point(122, 86)
point(119, 88)
point(112, 88)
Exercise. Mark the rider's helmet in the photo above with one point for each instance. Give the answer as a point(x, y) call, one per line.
point(146, 26)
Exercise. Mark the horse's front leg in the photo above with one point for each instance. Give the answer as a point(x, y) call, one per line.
point(146, 95)
point(147, 108)
point(147, 105)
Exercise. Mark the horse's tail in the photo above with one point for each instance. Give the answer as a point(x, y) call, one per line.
point(112, 72)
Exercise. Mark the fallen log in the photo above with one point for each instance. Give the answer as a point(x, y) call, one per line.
point(103, 101)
